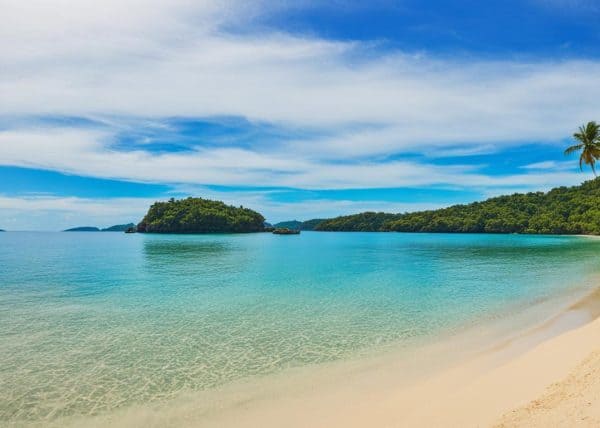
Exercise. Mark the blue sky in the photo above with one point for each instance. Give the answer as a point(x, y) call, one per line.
point(296, 109)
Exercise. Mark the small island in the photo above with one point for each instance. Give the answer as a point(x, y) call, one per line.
point(83, 229)
point(115, 228)
point(285, 231)
point(197, 215)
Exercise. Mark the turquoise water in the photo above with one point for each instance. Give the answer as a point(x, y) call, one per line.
point(94, 322)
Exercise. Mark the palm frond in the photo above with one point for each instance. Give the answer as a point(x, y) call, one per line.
point(588, 139)
point(574, 148)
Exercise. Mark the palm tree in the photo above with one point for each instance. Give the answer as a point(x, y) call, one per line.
point(588, 139)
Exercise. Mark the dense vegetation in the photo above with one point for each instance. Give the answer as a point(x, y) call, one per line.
point(291, 224)
point(197, 215)
point(299, 225)
point(564, 210)
point(363, 222)
point(311, 224)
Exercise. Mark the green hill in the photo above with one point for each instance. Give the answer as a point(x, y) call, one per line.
point(311, 224)
point(197, 215)
point(115, 228)
point(363, 222)
point(299, 225)
point(563, 210)
point(118, 227)
point(83, 229)
point(291, 224)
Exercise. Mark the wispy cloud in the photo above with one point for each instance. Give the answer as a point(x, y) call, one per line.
point(86, 152)
point(550, 165)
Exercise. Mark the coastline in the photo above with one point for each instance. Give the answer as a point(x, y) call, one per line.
point(493, 388)
point(456, 383)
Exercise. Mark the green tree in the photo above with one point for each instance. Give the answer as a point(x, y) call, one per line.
point(588, 139)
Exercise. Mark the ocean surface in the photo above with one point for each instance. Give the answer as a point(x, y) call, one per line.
point(96, 322)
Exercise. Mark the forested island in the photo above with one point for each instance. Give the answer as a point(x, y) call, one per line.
point(563, 210)
point(197, 215)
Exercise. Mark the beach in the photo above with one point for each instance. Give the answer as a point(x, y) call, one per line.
point(522, 383)
point(543, 376)
point(252, 330)
point(299, 214)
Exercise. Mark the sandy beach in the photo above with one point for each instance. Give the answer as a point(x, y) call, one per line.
point(552, 383)
point(546, 376)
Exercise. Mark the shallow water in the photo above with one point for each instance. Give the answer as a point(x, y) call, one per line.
point(94, 322)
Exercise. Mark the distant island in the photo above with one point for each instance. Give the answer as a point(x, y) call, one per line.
point(285, 231)
point(299, 225)
point(2, 230)
point(197, 215)
point(83, 229)
point(119, 227)
point(563, 210)
point(115, 228)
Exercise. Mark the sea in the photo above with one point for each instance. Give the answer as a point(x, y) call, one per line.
point(98, 322)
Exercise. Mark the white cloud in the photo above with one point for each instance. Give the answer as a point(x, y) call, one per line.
point(550, 165)
point(89, 153)
point(174, 59)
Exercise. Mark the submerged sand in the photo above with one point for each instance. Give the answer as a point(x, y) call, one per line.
point(546, 376)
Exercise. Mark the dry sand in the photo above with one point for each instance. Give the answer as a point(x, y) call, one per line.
point(574, 401)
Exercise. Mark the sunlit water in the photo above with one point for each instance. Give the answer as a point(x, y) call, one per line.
point(94, 322)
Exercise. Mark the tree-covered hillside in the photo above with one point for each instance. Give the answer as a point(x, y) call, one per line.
point(197, 215)
point(290, 224)
point(299, 225)
point(119, 227)
point(564, 210)
point(363, 222)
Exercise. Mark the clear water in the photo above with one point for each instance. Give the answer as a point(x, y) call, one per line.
point(94, 322)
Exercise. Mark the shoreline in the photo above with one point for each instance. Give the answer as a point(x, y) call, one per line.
point(455, 383)
point(475, 392)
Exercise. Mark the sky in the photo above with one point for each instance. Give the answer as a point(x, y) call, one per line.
point(299, 110)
